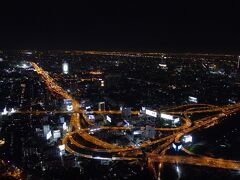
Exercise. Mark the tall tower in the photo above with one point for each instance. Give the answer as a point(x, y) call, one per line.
point(65, 68)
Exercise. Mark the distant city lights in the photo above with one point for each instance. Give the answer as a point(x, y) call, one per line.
point(5, 112)
point(102, 83)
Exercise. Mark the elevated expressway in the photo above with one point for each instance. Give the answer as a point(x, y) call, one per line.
point(152, 150)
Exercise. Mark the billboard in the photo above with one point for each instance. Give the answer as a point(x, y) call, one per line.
point(151, 113)
point(137, 132)
point(127, 123)
point(192, 99)
point(109, 119)
point(176, 120)
point(56, 134)
point(49, 134)
point(187, 138)
point(88, 108)
point(166, 116)
point(162, 65)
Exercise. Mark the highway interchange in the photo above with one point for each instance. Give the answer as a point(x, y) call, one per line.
point(153, 151)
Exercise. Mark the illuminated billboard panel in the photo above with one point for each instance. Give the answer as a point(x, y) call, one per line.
point(187, 138)
point(61, 147)
point(49, 134)
point(151, 113)
point(109, 119)
point(192, 99)
point(166, 116)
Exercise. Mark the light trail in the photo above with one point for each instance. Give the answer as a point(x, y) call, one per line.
point(157, 148)
point(198, 161)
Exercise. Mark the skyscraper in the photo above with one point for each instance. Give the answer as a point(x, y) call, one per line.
point(65, 68)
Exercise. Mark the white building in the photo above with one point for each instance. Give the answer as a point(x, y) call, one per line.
point(65, 68)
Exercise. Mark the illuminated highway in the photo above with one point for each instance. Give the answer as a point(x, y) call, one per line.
point(199, 161)
point(156, 148)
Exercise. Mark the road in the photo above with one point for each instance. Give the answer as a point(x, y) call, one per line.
point(157, 148)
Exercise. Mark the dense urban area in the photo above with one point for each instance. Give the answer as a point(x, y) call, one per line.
point(119, 115)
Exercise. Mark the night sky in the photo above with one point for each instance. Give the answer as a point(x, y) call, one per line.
point(176, 26)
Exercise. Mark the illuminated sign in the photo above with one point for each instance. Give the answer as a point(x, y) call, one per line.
point(192, 99)
point(166, 116)
point(137, 132)
point(102, 83)
point(69, 107)
point(61, 147)
point(127, 123)
point(187, 138)
point(88, 107)
point(49, 134)
point(176, 120)
point(162, 65)
point(28, 53)
point(109, 119)
point(151, 113)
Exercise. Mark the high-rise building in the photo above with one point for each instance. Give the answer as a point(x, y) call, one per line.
point(46, 129)
point(126, 112)
point(101, 106)
point(65, 68)
point(150, 132)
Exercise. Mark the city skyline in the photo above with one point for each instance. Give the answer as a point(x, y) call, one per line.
point(91, 114)
point(119, 90)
